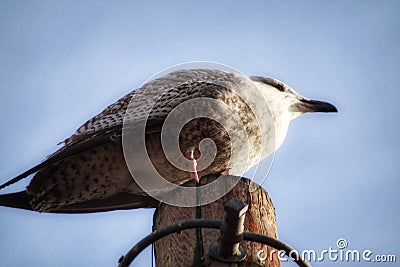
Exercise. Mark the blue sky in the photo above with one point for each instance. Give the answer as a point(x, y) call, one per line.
point(336, 175)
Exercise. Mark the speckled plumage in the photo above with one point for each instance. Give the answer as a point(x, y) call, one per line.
point(90, 167)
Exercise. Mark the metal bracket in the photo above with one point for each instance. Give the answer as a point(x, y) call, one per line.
point(228, 248)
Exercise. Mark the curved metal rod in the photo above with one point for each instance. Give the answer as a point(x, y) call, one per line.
point(195, 223)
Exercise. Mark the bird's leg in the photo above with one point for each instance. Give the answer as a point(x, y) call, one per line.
point(226, 171)
point(193, 164)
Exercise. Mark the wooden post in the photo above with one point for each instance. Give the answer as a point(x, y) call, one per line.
point(191, 247)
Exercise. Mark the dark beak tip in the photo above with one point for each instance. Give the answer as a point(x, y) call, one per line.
point(332, 108)
point(319, 106)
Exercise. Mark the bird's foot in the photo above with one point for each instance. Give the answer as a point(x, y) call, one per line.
point(226, 171)
point(193, 165)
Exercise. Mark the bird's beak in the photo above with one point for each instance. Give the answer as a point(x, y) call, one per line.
point(306, 105)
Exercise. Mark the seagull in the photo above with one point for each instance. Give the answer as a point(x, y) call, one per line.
point(91, 173)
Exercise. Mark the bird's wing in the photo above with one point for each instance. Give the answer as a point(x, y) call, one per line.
point(141, 104)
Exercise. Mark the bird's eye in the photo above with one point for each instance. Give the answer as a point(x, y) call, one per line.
point(280, 87)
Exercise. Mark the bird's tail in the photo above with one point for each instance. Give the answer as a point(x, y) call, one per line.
point(122, 201)
point(20, 200)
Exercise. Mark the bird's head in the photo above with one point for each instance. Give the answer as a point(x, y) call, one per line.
point(285, 104)
point(284, 101)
